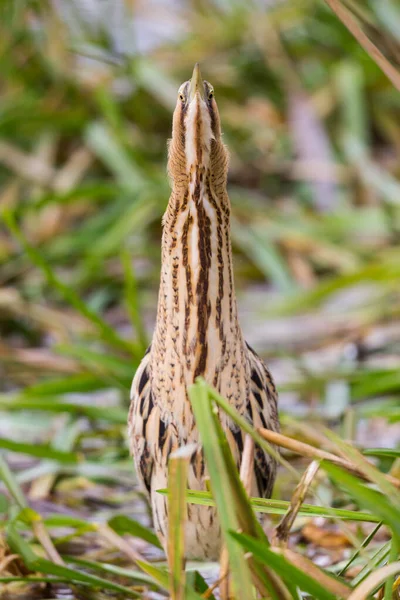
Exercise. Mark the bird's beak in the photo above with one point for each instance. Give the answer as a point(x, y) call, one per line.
point(196, 84)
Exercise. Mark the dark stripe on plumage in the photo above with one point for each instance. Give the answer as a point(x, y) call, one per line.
point(250, 411)
point(175, 281)
point(199, 147)
point(237, 434)
point(256, 379)
point(145, 411)
point(220, 260)
point(230, 276)
point(263, 421)
point(177, 211)
point(202, 288)
point(188, 275)
point(257, 396)
point(183, 112)
point(161, 435)
point(146, 467)
point(185, 256)
point(262, 469)
point(143, 380)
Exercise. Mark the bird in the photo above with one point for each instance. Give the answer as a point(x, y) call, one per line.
point(197, 331)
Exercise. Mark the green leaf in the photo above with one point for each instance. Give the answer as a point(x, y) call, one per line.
point(3, 503)
point(67, 292)
point(373, 474)
point(284, 568)
point(11, 484)
point(40, 450)
point(264, 254)
point(231, 499)
point(280, 507)
point(178, 465)
point(82, 382)
point(111, 414)
point(57, 520)
point(122, 524)
point(364, 544)
point(221, 485)
point(382, 452)
point(374, 501)
point(42, 565)
point(248, 428)
point(107, 147)
point(111, 569)
point(131, 297)
point(161, 576)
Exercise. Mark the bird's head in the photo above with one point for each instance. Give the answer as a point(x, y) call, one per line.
point(196, 133)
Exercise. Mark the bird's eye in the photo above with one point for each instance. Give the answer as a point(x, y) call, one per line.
point(181, 97)
point(210, 94)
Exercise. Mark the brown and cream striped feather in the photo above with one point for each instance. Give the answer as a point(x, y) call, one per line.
point(197, 329)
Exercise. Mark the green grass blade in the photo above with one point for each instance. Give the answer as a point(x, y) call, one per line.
point(365, 543)
point(374, 581)
point(67, 293)
point(131, 298)
point(85, 382)
point(374, 475)
point(4, 504)
point(393, 556)
point(161, 576)
point(374, 501)
point(42, 565)
point(232, 492)
point(45, 566)
point(11, 484)
point(285, 569)
point(113, 414)
point(111, 569)
point(264, 254)
point(382, 452)
point(40, 451)
point(280, 507)
point(378, 559)
point(177, 515)
point(122, 524)
point(248, 428)
point(221, 487)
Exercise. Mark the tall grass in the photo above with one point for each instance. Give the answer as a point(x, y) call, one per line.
point(311, 122)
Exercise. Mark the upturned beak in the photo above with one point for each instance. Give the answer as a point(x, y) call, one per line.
point(196, 84)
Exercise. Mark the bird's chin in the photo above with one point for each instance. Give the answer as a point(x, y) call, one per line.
point(198, 134)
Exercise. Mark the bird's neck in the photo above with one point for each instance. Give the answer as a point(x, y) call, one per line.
point(197, 327)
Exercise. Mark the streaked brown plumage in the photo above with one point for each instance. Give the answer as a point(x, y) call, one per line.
point(197, 329)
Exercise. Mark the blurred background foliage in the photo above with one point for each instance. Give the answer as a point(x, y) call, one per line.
point(313, 129)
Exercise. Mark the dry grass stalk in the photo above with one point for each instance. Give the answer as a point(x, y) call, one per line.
point(44, 538)
point(375, 578)
point(25, 165)
point(246, 476)
point(214, 586)
point(350, 22)
point(304, 564)
point(316, 454)
point(282, 530)
point(117, 541)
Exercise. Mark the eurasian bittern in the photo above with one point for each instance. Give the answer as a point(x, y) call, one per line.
point(197, 328)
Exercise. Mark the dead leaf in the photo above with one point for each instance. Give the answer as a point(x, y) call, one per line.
point(326, 537)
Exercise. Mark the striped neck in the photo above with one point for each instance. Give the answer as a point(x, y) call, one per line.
point(197, 324)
